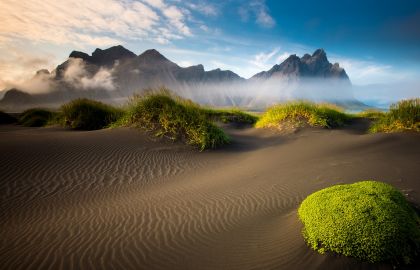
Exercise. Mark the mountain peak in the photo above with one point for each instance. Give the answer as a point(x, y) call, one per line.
point(78, 54)
point(319, 53)
point(315, 66)
point(105, 57)
point(108, 56)
point(16, 96)
point(152, 54)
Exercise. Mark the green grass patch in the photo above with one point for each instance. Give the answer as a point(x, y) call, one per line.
point(6, 118)
point(303, 113)
point(371, 114)
point(231, 116)
point(36, 117)
point(367, 220)
point(86, 114)
point(168, 115)
point(402, 116)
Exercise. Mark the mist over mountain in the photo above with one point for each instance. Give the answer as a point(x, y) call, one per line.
point(113, 74)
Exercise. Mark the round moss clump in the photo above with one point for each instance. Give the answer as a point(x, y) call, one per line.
point(367, 220)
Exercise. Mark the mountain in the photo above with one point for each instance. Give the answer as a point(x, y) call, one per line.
point(309, 66)
point(18, 97)
point(105, 57)
point(113, 74)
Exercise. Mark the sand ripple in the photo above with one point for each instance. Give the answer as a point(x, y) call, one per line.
point(114, 199)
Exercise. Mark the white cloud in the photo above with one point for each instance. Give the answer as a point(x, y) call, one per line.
point(77, 76)
point(204, 8)
point(258, 10)
point(18, 65)
point(88, 22)
point(176, 17)
point(184, 63)
point(280, 58)
point(205, 28)
point(263, 60)
point(155, 3)
point(264, 19)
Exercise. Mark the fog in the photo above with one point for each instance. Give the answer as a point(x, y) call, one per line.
point(383, 95)
point(77, 75)
point(40, 83)
point(262, 93)
point(249, 94)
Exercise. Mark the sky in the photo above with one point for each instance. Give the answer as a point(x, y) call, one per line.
point(377, 42)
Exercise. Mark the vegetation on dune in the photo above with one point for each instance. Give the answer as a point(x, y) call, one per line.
point(367, 220)
point(402, 116)
point(174, 117)
point(6, 118)
point(36, 117)
point(231, 116)
point(301, 113)
point(85, 114)
point(371, 114)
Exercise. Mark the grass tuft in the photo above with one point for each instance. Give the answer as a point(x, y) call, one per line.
point(302, 113)
point(402, 116)
point(231, 116)
point(171, 116)
point(371, 114)
point(367, 220)
point(36, 117)
point(6, 118)
point(86, 114)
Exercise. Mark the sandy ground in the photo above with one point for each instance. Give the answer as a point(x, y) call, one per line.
point(117, 199)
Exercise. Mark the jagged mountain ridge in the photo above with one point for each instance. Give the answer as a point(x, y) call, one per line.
point(309, 66)
point(128, 73)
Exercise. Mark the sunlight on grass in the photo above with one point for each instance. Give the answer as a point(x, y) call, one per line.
point(402, 116)
point(169, 115)
point(302, 112)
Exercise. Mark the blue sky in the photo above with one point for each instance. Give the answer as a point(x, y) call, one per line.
point(377, 42)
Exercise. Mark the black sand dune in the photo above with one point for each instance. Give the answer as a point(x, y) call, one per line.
point(116, 199)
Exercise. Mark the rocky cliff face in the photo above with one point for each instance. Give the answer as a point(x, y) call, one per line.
point(309, 66)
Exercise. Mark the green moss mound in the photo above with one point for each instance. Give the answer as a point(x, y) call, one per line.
point(36, 117)
point(367, 220)
point(301, 113)
point(6, 118)
point(174, 117)
point(86, 114)
point(402, 116)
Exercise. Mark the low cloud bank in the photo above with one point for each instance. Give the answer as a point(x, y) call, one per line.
point(253, 94)
point(383, 95)
point(257, 93)
point(77, 75)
